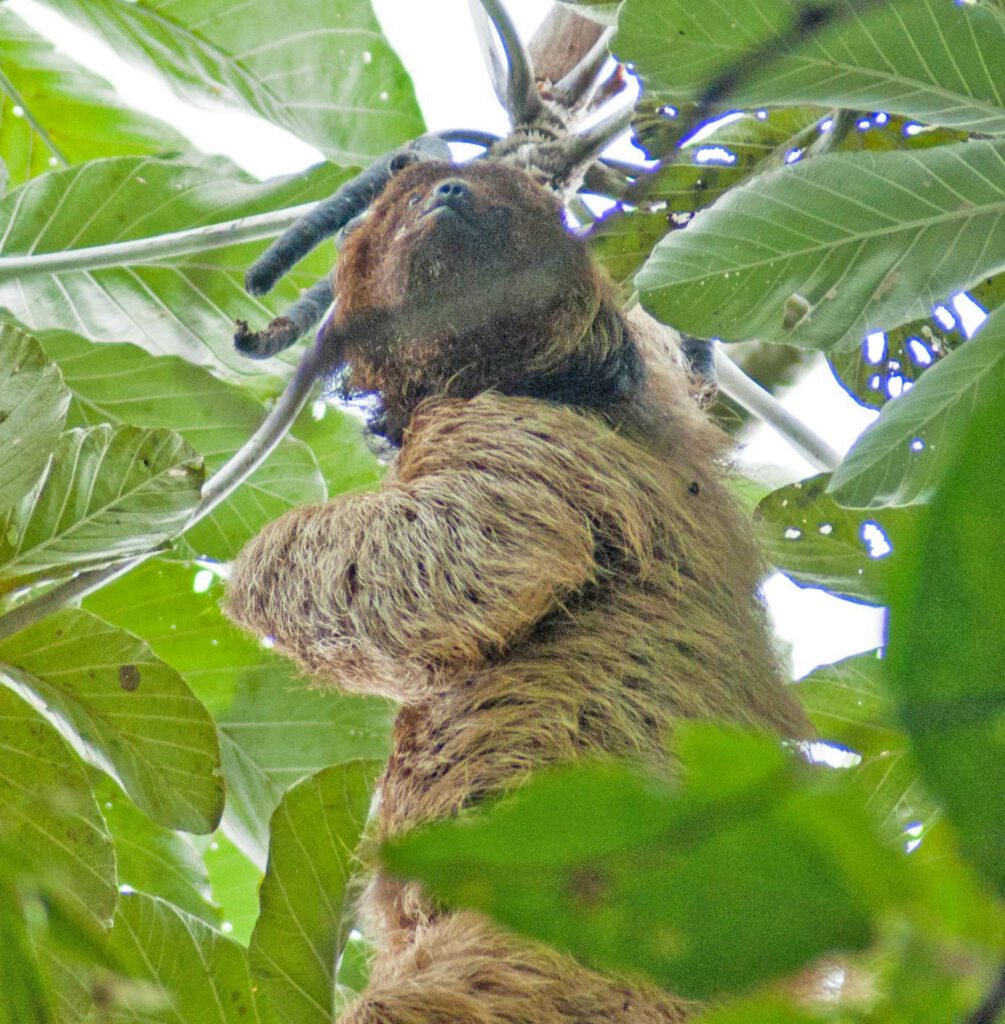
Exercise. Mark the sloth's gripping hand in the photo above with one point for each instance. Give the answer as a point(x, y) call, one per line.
point(490, 520)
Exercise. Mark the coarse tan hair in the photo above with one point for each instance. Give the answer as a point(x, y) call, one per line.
point(552, 569)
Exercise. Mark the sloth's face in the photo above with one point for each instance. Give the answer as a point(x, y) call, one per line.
point(478, 239)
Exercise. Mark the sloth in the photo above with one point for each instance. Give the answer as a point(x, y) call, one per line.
point(552, 569)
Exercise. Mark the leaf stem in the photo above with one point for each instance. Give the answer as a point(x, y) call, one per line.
point(756, 400)
point(221, 484)
point(146, 250)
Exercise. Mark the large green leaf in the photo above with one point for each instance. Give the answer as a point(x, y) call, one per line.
point(24, 996)
point(947, 658)
point(323, 71)
point(273, 730)
point(33, 404)
point(305, 916)
point(757, 859)
point(198, 975)
point(49, 815)
point(824, 251)
point(817, 543)
point(933, 60)
point(107, 493)
point(122, 384)
point(133, 715)
point(182, 305)
point(900, 458)
point(56, 113)
point(152, 859)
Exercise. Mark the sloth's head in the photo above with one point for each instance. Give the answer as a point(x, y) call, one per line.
point(504, 297)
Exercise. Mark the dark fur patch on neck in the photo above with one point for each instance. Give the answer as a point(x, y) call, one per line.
point(580, 381)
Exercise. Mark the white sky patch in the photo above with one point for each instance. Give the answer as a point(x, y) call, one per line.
point(875, 346)
point(944, 317)
point(714, 155)
point(875, 539)
point(818, 628)
point(970, 313)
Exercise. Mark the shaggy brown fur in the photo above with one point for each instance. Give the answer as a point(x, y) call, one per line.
point(536, 581)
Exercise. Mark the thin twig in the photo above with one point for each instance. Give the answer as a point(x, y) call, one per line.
point(217, 488)
point(578, 85)
point(146, 250)
point(522, 99)
point(843, 122)
point(761, 403)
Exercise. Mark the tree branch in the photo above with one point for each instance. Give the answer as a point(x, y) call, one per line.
point(761, 403)
point(522, 99)
point(145, 250)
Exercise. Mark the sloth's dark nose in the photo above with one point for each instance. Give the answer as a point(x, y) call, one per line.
point(453, 193)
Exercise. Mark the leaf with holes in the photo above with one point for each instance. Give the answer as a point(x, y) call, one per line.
point(932, 60)
point(322, 71)
point(851, 705)
point(822, 252)
point(817, 543)
point(33, 403)
point(129, 713)
point(180, 305)
point(56, 113)
point(107, 493)
point(305, 918)
point(900, 458)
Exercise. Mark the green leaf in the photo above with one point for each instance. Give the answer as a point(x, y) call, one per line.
point(195, 974)
point(759, 858)
point(181, 305)
point(817, 543)
point(107, 493)
point(133, 715)
point(152, 859)
point(273, 730)
point(900, 458)
point(621, 241)
point(33, 404)
point(305, 919)
point(824, 251)
point(758, 1010)
point(322, 71)
point(851, 705)
point(935, 61)
point(56, 113)
point(24, 995)
point(234, 881)
point(122, 384)
point(947, 659)
point(49, 816)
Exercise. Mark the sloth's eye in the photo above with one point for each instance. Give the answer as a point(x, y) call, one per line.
point(414, 198)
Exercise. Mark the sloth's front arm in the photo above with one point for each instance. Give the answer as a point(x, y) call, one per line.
point(487, 522)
